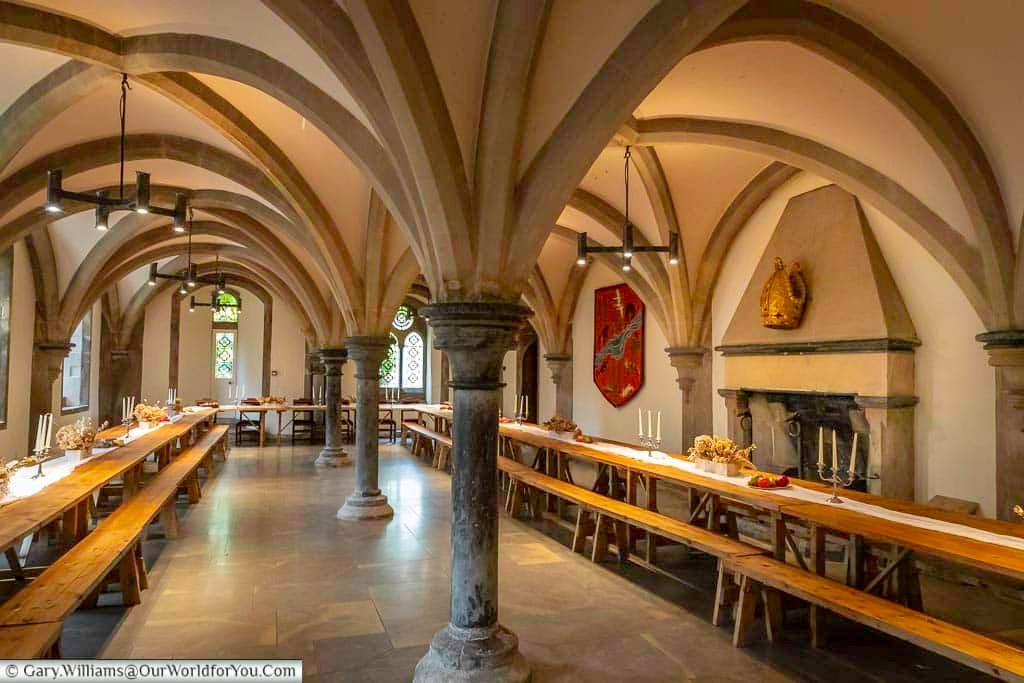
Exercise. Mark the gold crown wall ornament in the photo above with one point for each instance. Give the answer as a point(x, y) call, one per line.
point(783, 297)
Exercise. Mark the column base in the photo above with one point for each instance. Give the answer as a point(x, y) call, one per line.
point(459, 655)
point(333, 457)
point(358, 507)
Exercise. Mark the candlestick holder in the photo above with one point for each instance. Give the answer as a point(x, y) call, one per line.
point(650, 443)
point(127, 424)
point(838, 478)
point(41, 454)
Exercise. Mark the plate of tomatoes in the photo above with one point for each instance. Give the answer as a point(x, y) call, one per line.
point(768, 481)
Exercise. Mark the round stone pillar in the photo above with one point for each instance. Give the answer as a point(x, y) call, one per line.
point(332, 454)
point(473, 646)
point(367, 502)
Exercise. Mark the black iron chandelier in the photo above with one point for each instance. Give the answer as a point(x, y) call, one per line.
point(627, 248)
point(56, 194)
point(189, 278)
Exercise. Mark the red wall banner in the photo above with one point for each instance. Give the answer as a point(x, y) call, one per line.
point(618, 343)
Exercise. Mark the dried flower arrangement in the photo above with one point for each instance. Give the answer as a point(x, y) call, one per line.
point(80, 435)
point(720, 455)
point(273, 399)
point(559, 423)
point(148, 413)
point(6, 472)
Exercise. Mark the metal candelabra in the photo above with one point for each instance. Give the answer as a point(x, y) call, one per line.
point(650, 443)
point(838, 478)
point(127, 424)
point(41, 454)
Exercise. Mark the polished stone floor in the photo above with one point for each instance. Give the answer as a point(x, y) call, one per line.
point(264, 570)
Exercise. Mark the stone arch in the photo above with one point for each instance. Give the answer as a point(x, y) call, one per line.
point(859, 51)
point(945, 244)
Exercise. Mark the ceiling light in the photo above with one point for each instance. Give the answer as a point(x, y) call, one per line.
point(102, 217)
point(628, 248)
point(56, 194)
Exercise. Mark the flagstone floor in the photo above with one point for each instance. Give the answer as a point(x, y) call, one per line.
point(264, 570)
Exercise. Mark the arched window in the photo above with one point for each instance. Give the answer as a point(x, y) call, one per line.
point(229, 311)
point(405, 366)
point(225, 337)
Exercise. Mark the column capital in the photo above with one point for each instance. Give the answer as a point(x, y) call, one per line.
point(688, 362)
point(54, 352)
point(373, 349)
point(559, 364)
point(475, 335)
point(333, 359)
point(120, 354)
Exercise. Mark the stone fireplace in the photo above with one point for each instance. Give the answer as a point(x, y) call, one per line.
point(848, 367)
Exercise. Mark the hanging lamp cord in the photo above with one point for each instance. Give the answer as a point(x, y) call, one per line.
point(125, 87)
point(626, 174)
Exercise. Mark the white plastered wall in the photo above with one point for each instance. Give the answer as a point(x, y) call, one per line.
point(591, 411)
point(955, 419)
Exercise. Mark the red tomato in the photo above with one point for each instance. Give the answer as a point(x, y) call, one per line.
point(764, 483)
point(782, 481)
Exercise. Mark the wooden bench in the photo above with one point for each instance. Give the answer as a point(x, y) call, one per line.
point(760, 576)
point(426, 443)
point(112, 552)
point(611, 513)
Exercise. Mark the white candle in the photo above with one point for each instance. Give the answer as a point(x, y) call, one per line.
point(649, 432)
point(526, 406)
point(773, 442)
point(39, 433)
point(659, 426)
point(821, 446)
point(640, 422)
point(835, 454)
point(853, 455)
point(49, 430)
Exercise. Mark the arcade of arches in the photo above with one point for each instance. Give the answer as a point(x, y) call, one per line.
point(423, 202)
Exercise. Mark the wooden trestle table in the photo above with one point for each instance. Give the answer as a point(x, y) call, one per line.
point(279, 408)
point(710, 496)
point(69, 498)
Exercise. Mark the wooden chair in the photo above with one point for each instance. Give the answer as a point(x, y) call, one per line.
point(386, 425)
point(248, 423)
point(304, 426)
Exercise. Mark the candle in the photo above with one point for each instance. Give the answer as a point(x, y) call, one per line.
point(526, 406)
point(649, 432)
point(659, 426)
point(39, 433)
point(853, 455)
point(49, 430)
point(835, 454)
point(821, 446)
point(773, 442)
point(640, 422)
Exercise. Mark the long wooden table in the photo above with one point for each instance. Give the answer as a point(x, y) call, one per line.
point(988, 558)
point(68, 497)
point(279, 408)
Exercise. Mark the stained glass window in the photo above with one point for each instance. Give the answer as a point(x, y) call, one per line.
point(389, 366)
point(405, 367)
point(403, 318)
point(228, 314)
point(224, 355)
point(412, 361)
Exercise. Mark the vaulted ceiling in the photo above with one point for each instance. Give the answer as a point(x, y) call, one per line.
point(336, 152)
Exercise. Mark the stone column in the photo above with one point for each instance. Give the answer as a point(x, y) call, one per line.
point(332, 454)
point(366, 502)
point(890, 421)
point(47, 363)
point(560, 365)
point(693, 375)
point(1006, 354)
point(737, 407)
point(473, 646)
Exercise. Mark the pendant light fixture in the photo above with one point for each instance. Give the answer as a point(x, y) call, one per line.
point(627, 249)
point(56, 194)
